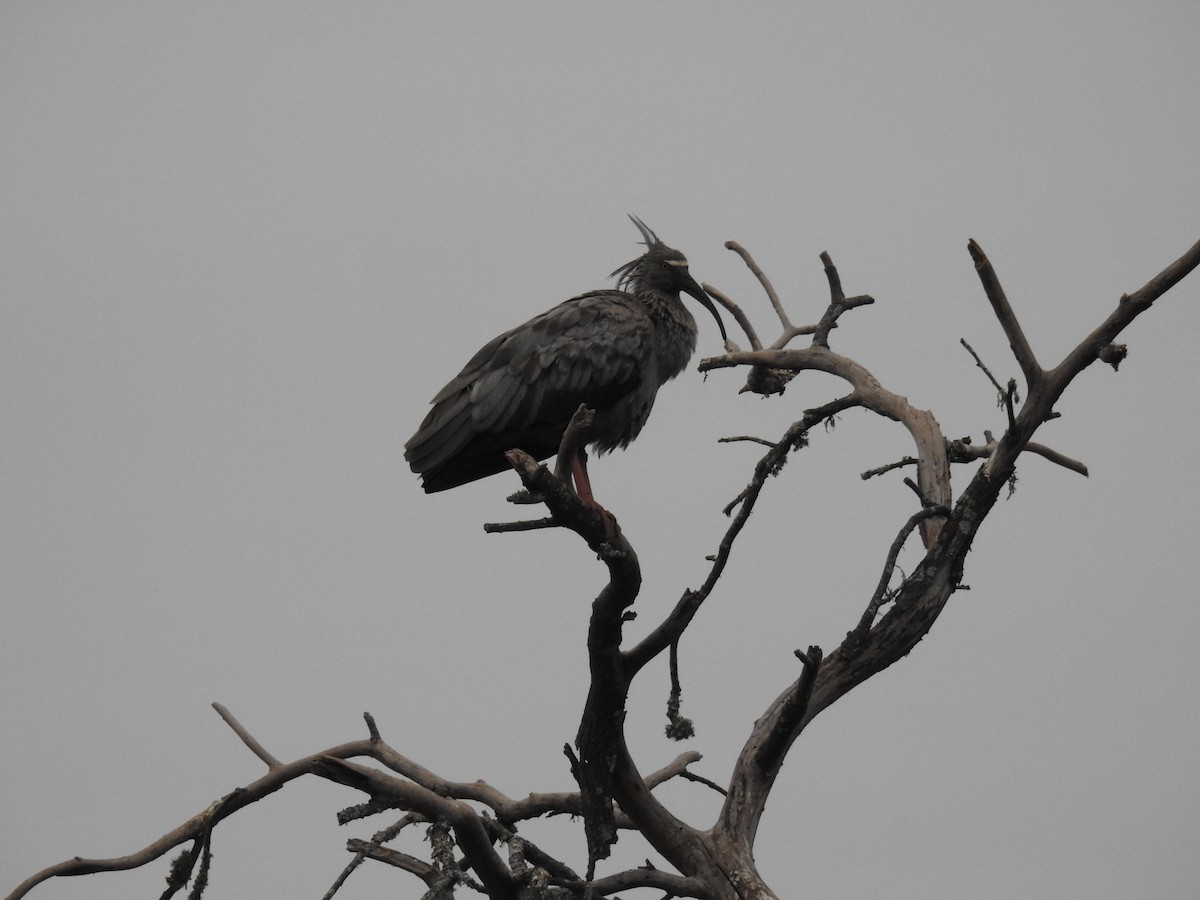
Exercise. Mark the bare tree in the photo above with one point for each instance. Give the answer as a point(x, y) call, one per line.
point(473, 827)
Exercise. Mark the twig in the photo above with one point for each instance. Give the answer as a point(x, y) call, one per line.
point(522, 851)
point(961, 451)
point(838, 303)
point(195, 827)
point(523, 525)
point(912, 485)
point(372, 728)
point(986, 370)
point(770, 464)
point(646, 877)
point(248, 739)
point(1057, 458)
point(183, 865)
point(1009, 397)
point(373, 849)
point(736, 311)
point(1165, 280)
point(1030, 368)
point(933, 470)
point(907, 461)
point(771, 752)
point(689, 776)
point(856, 639)
point(745, 437)
point(836, 293)
point(765, 282)
point(679, 728)
point(368, 850)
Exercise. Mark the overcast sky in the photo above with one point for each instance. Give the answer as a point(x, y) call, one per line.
point(242, 245)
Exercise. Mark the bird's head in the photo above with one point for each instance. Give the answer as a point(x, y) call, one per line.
point(662, 269)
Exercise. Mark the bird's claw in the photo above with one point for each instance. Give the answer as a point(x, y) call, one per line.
point(612, 531)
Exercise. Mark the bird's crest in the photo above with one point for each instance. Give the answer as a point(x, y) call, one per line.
point(627, 274)
point(650, 237)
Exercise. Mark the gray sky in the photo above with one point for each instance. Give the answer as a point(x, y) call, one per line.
point(243, 245)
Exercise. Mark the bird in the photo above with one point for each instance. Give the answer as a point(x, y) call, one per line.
point(610, 350)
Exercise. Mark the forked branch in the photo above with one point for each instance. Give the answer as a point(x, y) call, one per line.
point(717, 863)
point(875, 644)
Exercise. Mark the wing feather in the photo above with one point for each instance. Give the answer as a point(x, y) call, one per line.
point(521, 388)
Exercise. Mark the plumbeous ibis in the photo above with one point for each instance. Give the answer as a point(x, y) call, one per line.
point(609, 349)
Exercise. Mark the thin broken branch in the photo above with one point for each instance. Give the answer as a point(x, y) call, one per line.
point(1008, 321)
point(859, 634)
point(522, 525)
point(986, 370)
point(784, 725)
point(768, 465)
point(788, 328)
point(962, 451)
point(247, 738)
point(738, 314)
point(889, 467)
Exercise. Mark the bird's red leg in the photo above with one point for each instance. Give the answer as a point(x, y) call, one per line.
point(572, 460)
point(583, 487)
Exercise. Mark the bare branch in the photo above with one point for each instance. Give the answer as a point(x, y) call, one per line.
point(782, 727)
point(1039, 405)
point(1165, 280)
point(857, 638)
point(739, 316)
point(679, 728)
point(248, 739)
point(737, 248)
point(746, 437)
point(933, 468)
point(369, 850)
point(373, 849)
point(523, 525)
point(979, 362)
point(372, 728)
point(1008, 320)
point(770, 464)
point(427, 793)
point(722, 856)
point(899, 464)
point(838, 303)
point(522, 852)
point(1057, 458)
point(919, 600)
point(836, 294)
point(605, 769)
point(195, 827)
point(469, 831)
point(961, 451)
point(674, 885)
point(691, 776)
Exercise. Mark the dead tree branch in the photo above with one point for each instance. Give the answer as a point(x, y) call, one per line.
point(1008, 320)
point(920, 599)
point(715, 863)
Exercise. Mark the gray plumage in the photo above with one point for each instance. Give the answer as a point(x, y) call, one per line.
point(609, 349)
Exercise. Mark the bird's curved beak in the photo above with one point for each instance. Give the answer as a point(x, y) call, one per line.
point(693, 289)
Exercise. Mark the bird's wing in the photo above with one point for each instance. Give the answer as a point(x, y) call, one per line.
point(521, 389)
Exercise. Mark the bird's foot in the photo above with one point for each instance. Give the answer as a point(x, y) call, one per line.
point(612, 530)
